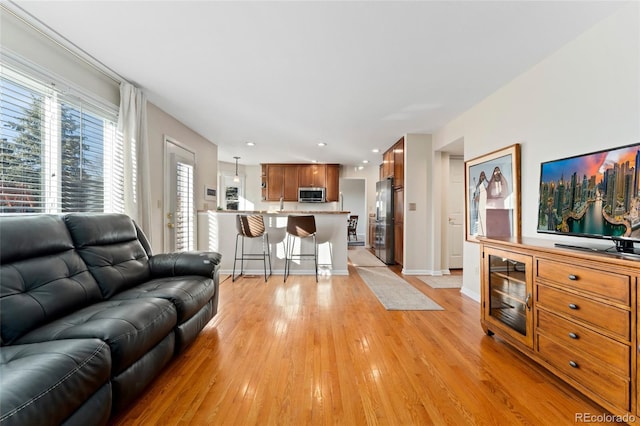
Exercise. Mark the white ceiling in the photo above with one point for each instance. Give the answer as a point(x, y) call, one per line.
point(287, 75)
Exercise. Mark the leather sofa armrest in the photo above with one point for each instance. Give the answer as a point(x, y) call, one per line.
point(185, 263)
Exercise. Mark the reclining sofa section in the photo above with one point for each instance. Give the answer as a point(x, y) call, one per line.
point(88, 316)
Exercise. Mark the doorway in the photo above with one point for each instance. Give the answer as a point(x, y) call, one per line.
point(455, 212)
point(353, 198)
point(179, 206)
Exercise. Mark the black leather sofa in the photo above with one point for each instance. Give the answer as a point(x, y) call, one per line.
point(88, 316)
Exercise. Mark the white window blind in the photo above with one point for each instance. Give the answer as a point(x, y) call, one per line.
point(185, 222)
point(58, 152)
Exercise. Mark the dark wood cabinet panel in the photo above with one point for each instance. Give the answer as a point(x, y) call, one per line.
point(281, 181)
point(312, 175)
point(398, 205)
point(275, 182)
point(398, 244)
point(393, 166)
point(333, 182)
point(387, 164)
point(398, 226)
point(290, 184)
point(398, 164)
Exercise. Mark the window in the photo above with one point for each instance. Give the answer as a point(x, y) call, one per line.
point(58, 152)
point(185, 226)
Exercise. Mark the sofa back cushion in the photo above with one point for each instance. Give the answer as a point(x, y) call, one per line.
point(109, 245)
point(42, 277)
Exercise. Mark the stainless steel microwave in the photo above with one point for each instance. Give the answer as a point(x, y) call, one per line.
point(311, 195)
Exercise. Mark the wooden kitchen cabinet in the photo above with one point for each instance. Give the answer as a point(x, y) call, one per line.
point(312, 175)
point(333, 182)
point(572, 311)
point(283, 180)
point(387, 164)
point(393, 166)
point(290, 187)
point(398, 226)
point(275, 182)
point(398, 164)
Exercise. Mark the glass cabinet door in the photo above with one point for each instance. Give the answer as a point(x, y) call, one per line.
point(508, 298)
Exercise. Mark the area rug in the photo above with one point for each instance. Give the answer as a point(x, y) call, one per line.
point(443, 281)
point(394, 293)
point(363, 257)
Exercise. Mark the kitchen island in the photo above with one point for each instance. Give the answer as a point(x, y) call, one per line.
point(217, 232)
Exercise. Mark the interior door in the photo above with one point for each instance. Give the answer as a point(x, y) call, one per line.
point(179, 206)
point(455, 212)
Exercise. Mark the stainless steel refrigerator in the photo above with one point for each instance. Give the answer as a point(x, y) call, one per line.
point(383, 244)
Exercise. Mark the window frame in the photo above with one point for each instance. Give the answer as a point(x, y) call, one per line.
point(87, 110)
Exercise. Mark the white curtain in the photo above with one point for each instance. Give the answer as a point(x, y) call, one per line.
point(132, 122)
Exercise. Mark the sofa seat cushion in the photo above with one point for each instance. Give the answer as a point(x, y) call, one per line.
point(129, 327)
point(45, 383)
point(188, 293)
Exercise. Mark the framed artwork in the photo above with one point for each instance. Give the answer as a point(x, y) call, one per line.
point(492, 200)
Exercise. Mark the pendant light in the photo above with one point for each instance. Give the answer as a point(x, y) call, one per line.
point(236, 178)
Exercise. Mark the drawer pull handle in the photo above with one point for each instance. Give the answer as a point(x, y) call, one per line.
point(573, 364)
point(573, 277)
point(573, 335)
point(573, 306)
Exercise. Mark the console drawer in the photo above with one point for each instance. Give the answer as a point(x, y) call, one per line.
point(608, 318)
point(582, 340)
point(589, 373)
point(608, 285)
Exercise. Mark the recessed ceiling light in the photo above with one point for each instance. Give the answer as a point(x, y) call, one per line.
point(251, 144)
point(322, 144)
point(365, 161)
point(376, 150)
point(360, 167)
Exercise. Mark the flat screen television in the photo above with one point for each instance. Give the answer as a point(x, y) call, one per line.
point(594, 195)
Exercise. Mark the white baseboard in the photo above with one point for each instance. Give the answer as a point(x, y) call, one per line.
point(470, 294)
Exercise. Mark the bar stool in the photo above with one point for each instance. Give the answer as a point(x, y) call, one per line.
point(251, 226)
point(300, 227)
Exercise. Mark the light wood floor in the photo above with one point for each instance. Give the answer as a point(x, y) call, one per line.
point(299, 353)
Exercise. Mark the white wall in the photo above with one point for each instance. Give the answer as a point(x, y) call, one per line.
point(253, 191)
point(421, 241)
point(206, 153)
point(583, 98)
point(21, 40)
